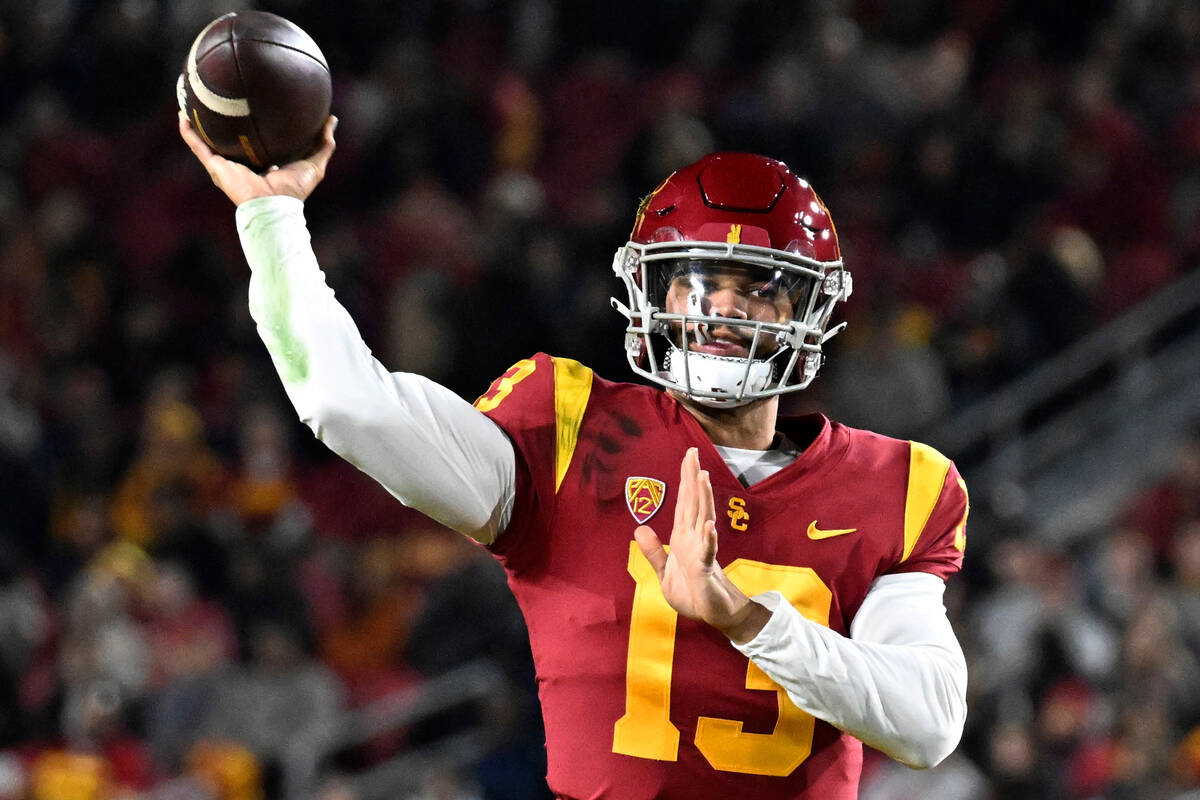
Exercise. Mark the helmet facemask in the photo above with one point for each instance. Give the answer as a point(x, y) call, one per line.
point(725, 323)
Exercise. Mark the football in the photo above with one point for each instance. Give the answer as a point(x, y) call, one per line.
point(256, 88)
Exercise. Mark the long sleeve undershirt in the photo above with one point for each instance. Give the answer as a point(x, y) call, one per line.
point(898, 682)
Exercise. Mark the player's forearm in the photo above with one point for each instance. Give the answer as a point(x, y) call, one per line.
point(899, 685)
point(425, 444)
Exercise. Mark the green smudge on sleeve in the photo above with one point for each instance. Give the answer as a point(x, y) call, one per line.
point(287, 351)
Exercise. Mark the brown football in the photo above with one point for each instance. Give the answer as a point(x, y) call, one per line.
point(257, 88)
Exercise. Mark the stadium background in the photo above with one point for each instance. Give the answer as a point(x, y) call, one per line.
point(198, 601)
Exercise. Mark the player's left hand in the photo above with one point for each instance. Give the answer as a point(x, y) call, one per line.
point(692, 581)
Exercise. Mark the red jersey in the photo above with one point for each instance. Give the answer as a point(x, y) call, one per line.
point(638, 702)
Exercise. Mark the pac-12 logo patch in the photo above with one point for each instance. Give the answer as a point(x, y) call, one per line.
point(644, 496)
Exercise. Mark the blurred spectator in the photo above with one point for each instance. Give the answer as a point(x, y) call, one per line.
point(956, 778)
point(85, 430)
point(1124, 580)
point(24, 626)
point(80, 532)
point(173, 451)
point(1159, 673)
point(281, 694)
point(470, 614)
point(99, 757)
point(1184, 589)
point(193, 642)
point(1034, 626)
point(447, 786)
point(13, 777)
point(1185, 764)
point(189, 636)
point(367, 647)
point(20, 425)
point(262, 487)
point(102, 643)
point(227, 770)
point(1013, 763)
point(1164, 508)
point(891, 354)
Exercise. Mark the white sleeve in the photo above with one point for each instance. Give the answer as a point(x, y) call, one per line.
point(423, 443)
point(898, 683)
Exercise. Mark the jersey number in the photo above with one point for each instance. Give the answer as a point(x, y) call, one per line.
point(646, 731)
point(502, 387)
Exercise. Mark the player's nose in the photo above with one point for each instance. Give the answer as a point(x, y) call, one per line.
point(727, 301)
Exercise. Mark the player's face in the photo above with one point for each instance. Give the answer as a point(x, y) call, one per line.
point(716, 289)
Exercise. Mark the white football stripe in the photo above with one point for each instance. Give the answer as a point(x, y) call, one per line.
point(225, 106)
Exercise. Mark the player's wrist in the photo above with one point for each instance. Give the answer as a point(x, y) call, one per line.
point(747, 623)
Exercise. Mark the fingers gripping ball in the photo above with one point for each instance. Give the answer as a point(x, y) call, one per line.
point(257, 88)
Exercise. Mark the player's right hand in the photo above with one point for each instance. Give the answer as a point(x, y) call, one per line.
point(240, 183)
point(692, 581)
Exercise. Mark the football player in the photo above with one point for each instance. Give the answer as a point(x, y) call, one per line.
point(665, 671)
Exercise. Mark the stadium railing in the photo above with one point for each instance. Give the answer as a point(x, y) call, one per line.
point(1066, 444)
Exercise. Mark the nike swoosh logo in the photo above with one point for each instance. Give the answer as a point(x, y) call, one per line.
point(816, 533)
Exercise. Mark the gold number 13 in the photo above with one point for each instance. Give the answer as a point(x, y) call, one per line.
point(646, 731)
point(502, 387)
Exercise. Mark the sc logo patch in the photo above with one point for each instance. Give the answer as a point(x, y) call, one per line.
point(739, 517)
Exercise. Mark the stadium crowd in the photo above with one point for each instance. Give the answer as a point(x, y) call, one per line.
point(1005, 175)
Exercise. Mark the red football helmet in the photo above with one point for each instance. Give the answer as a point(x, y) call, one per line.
point(733, 271)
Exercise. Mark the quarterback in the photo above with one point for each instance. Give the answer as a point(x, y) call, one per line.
point(667, 667)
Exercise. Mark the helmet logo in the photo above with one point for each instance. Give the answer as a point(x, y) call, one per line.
point(643, 496)
point(735, 234)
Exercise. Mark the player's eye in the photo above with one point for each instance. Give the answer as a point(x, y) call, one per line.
point(767, 291)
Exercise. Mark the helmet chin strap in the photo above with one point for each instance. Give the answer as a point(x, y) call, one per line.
point(716, 374)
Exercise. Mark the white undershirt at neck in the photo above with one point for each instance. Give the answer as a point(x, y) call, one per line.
point(752, 466)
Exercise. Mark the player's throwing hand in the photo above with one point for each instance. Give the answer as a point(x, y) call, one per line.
point(692, 581)
point(240, 183)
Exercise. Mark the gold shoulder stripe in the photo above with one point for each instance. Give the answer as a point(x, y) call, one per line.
point(927, 470)
point(572, 386)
